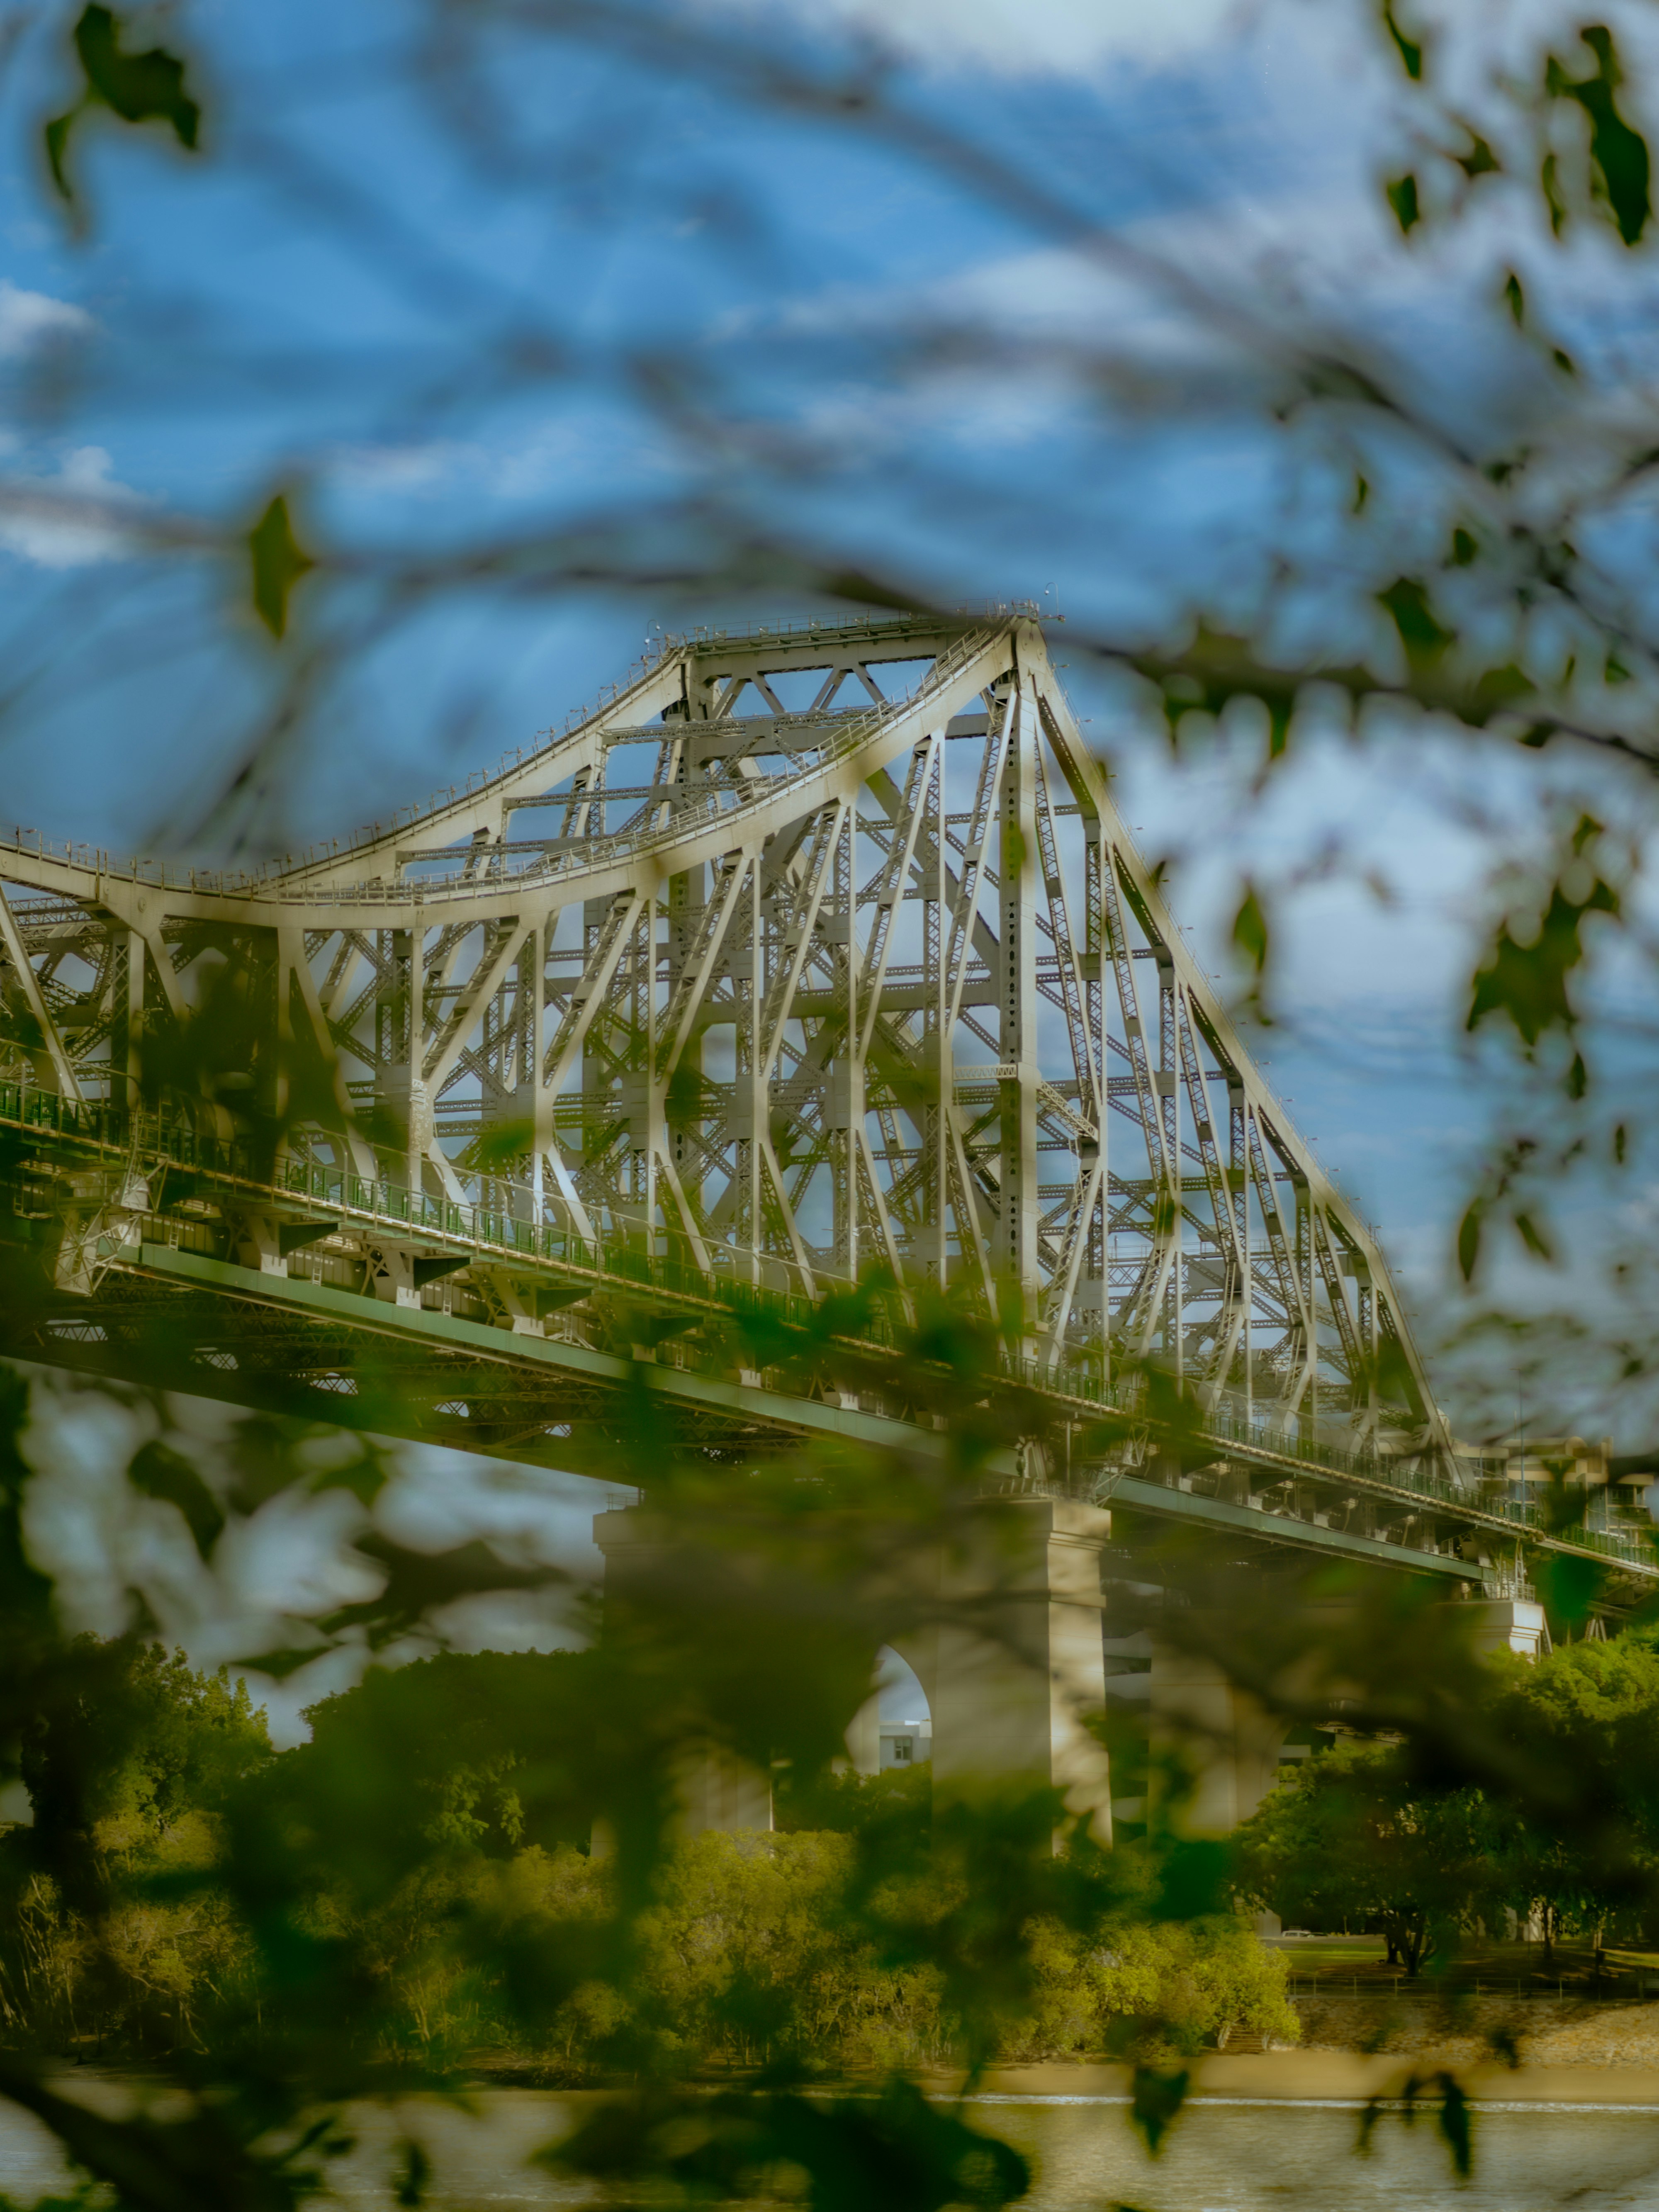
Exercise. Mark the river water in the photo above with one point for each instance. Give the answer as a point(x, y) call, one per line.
point(1223, 2156)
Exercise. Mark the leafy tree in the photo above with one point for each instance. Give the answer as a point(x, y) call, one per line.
point(129, 1771)
point(1590, 1709)
point(486, 1752)
point(112, 1770)
point(1157, 1986)
point(1345, 1836)
point(851, 1803)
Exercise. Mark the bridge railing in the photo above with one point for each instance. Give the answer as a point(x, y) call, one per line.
point(164, 1144)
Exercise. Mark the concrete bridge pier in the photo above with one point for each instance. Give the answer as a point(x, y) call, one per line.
point(1014, 1673)
point(716, 1789)
point(1511, 1624)
point(1229, 1741)
point(1020, 1671)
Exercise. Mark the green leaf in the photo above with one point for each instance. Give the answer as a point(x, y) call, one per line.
point(57, 136)
point(1402, 199)
point(1568, 1584)
point(1534, 1237)
point(140, 87)
point(1196, 1878)
point(281, 1663)
point(418, 1582)
point(1250, 933)
point(1516, 299)
point(1527, 983)
point(146, 87)
point(1454, 2124)
point(1464, 549)
point(1156, 2102)
point(158, 1471)
point(1423, 638)
point(495, 1150)
point(1619, 163)
point(1479, 161)
point(415, 2174)
point(1549, 180)
point(279, 561)
point(1409, 50)
point(1469, 1239)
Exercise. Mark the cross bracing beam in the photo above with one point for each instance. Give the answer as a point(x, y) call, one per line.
point(808, 950)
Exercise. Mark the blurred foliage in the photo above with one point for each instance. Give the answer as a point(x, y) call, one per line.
point(475, 1863)
point(137, 87)
point(359, 1917)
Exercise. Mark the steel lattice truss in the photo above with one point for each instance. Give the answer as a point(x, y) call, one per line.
point(811, 950)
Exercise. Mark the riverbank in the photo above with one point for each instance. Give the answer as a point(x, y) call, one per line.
point(1467, 2031)
point(1343, 2077)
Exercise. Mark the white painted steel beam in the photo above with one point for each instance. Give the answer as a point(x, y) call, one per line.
point(809, 950)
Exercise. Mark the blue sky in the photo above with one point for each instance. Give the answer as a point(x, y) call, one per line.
point(447, 311)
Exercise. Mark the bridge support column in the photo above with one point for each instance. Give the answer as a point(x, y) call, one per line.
point(716, 1789)
point(1012, 1696)
point(1230, 1739)
point(863, 1738)
point(1511, 1624)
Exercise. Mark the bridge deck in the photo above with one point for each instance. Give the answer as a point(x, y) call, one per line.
point(151, 1297)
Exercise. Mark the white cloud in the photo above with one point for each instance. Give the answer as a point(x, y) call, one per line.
point(27, 317)
point(420, 466)
point(577, 453)
point(68, 521)
point(1025, 37)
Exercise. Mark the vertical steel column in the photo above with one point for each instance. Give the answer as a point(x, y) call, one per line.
point(844, 1084)
point(1169, 1107)
point(134, 1040)
point(414, 942)
point(1311, 1293)
point(1096, 865)
point(1238, 1176)
point(685, 899)
point(749, 921)
point(937, 1051)
point(1020, 1203)
point(591, 1078)
point(543, 1132)
point(648, 1010)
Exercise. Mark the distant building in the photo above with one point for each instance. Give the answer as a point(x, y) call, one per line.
point(906, 1743)
point(1534, 1465)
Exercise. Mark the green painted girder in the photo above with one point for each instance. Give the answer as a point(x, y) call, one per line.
point(585, 1374)
point(571, 1399)
point(1282, 1528)
point(773, 1411)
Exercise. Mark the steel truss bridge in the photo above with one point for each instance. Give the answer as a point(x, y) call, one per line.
point(812, 950)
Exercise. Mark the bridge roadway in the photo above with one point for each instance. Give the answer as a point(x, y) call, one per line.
point(340, 1299)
